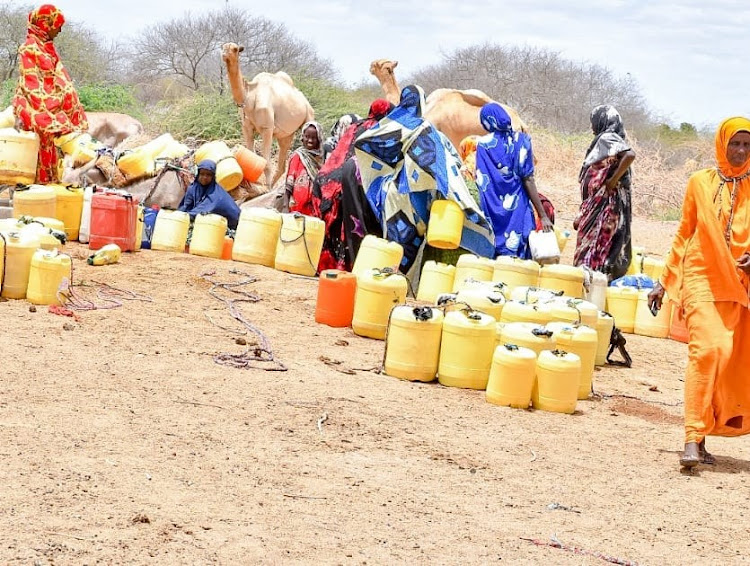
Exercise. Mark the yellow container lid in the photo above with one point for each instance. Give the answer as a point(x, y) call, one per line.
point(564, 272)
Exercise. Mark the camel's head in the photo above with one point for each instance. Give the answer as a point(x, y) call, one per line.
point(230, 52)
point(383, 68)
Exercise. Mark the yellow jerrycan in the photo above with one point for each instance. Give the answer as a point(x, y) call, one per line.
point(136, 163)
point(529, 335)
point(558, 374)
point(412, 347)
point(582, 341)
point(533, 295)
point(604, 325)
point(622, 302)
point(378, 291)
point(18, 156)
point(516, 272)
point(484, 300)
point(47, 271)
point(69, 208)
point(565, 278)
point(377, 253)
point(636, 262)
point(445, 225)
point(512, 376)
point(470, 266)
point(466, 349)
point(436, 279)
point(653, 267)
point(106, 255)
point(228, 171)
point(19, 249)
point(300, 243)
point(208, 235)
point(170, 231)
point(647, 324)
point(37, 200)
point(257, 236)
point(139, 222)
point(565, 309)
point(46, 240)
point(520, 311)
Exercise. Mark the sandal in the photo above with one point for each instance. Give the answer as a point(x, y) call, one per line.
point(691, 457)
point(706, 456)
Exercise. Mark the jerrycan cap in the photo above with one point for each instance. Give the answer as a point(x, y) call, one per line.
point(331, 275)
point(541, 331)
point(473, 315)
point(559, 353)
point(511, 347)
point(422, 313)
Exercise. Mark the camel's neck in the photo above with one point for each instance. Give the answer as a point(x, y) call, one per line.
point(236, 82)
point(391, 89)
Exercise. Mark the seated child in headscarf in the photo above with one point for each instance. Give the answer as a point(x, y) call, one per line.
point(206, 196)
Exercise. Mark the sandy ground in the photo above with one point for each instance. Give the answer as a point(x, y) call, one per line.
point(123, 441)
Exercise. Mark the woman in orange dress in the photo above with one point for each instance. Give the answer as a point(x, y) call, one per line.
point(46, 102)
point(707, 275)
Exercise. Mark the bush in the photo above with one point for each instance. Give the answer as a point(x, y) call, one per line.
point(7, 89)
point(331, 101)
point(204, 116)
point(109, 98)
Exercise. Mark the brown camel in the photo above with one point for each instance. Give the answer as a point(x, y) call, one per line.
point(383, 71)
point(111, 128)
point(270, 104)
point(453, 112)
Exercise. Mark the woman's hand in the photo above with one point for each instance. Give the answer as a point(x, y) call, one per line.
point(18, 125)
point(655, 297)
point(744, 263)
point(547, 225)
point(611, 184)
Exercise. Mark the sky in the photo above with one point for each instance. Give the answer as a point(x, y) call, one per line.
point(689, 57)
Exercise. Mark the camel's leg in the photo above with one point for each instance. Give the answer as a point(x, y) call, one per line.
point(248, 133)
point(284, 145)
point(266, 135)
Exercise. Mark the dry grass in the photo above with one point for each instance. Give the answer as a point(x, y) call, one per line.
point(660, 172)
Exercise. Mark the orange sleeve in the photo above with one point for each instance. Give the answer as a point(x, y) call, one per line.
point(671, 278)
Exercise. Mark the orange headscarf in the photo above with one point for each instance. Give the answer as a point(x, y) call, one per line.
point(467, 150)
point(727, 129)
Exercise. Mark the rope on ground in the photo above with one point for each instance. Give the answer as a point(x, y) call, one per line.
point(112, 297)
point(260, 353)
point(554, 542)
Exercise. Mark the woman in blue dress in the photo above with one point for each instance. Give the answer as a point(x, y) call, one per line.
point(505, 178)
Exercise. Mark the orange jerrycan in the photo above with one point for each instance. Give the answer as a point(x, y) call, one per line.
point(335, 304)
point(512, 376)
point(412, 348)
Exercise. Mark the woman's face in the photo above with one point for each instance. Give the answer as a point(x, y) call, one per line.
point(53, 32)
point(310, 138)
point(738, 150)
point(205, 177)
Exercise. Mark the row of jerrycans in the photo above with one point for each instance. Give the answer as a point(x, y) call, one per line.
point(439, 278)
point(518, 364)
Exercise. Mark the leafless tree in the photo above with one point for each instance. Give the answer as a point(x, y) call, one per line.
point(544, 87)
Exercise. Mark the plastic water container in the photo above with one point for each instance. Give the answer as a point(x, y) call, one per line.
point(485, 300)
point(19, 249)
point(647, 324)
point(604, 325)
point(208, 235)
point(228, 172)
point(565, 309)
point(84, 229)
point(597, 291)
point(251, 163)
point(533, 295)
point(558, 374)
point(445, 225)
point(18, 156)
point(466, 349)
point(436, 279)
point(335, 304)
point(149, 221)
point(412, 349)
point(636, 262)
point(622, 303)
point(519, 311)
point(300, 243)
point(257, 236)
point(516, 272)
point(114, 217)
point(37, 229)
point(170, 231)
point(512, 376)
point(377, 293)
point(377, 253)
point(544, 247)
point(532, 336)
point(565, 278)
point(678, 329)
point(470, 266)
point(653, 267)
point(582, 341)
point(226, 249)
point(136, 163)
point(37, 200)
point(47, 271)
point(68, 208)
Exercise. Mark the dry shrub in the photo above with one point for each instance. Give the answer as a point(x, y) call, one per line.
point(660, 171)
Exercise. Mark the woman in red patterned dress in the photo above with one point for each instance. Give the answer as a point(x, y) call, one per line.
point(46, 101)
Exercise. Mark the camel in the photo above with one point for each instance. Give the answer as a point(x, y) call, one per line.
point(270, 104)
point(383, 71)
point(111, 128)
point(454, 112)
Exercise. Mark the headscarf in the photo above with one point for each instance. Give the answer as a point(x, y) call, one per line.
point(311, 158)
point(210, 198)
point(43, 20)
point(337, 131)
point(494, 118)
point(467, 149)
point(724, 133)
point(609, 136)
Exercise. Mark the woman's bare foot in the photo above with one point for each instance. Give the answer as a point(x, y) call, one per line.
point(706, 456)
point(691, 457)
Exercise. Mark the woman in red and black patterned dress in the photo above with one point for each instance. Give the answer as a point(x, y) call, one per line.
point(46, 101)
